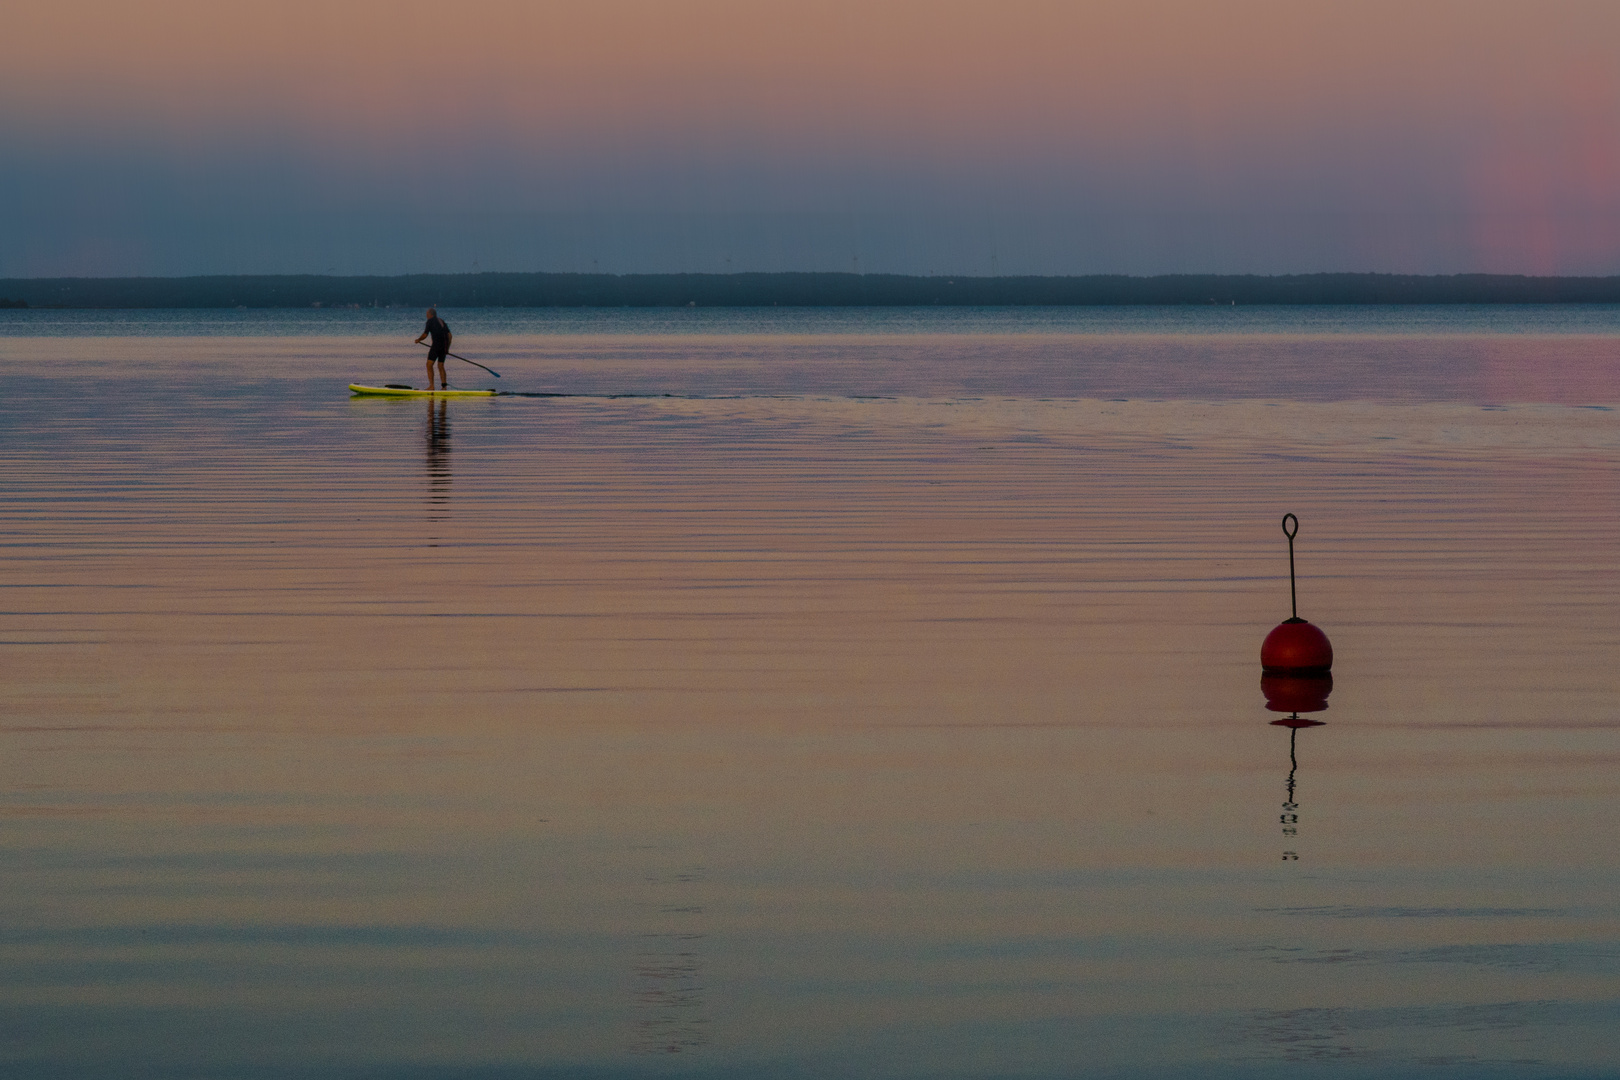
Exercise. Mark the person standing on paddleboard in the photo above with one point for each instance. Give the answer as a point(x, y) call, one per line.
point(440, 333)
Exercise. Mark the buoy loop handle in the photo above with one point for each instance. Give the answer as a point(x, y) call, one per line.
point(1290, 533)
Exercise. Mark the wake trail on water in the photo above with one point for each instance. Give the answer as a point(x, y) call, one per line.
point(649, 396)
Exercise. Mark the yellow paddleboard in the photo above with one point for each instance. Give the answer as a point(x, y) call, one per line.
point(406, 391)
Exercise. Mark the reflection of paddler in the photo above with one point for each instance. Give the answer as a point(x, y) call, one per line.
point(438, 442)
point(439, 331)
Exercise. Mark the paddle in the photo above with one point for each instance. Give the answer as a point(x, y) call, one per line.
point(474, 363)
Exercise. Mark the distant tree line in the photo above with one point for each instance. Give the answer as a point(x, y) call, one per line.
point(4, 303)
point(797, 290)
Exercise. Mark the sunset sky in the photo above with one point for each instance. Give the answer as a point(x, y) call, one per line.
point(951, 136)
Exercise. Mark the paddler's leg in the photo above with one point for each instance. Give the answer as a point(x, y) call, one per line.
point(444, 383)
point(430, 373)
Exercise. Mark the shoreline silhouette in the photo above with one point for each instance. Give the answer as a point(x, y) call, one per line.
point(797, 290)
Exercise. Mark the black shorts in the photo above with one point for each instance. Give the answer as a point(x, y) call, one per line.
point(438, 352)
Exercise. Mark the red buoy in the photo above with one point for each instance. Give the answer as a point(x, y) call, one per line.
point(1295, 647)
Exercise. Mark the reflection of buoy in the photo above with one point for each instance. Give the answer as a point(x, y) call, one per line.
point(1281, 686)
point(1295, 647)
point(1296, 722)
point(1296, 693)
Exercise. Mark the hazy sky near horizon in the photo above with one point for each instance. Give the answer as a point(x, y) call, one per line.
point(952, 136)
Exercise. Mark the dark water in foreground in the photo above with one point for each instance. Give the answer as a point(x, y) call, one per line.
point(883, 702)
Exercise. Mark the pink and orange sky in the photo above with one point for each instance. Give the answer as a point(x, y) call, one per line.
point(952, 136)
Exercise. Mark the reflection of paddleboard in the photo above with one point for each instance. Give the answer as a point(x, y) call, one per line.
point(393, 390)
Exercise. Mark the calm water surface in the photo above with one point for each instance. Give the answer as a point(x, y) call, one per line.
point(808, 694)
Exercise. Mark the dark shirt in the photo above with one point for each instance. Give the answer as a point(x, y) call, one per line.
point(439, 331)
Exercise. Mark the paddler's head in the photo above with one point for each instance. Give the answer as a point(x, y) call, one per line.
point(432, 312)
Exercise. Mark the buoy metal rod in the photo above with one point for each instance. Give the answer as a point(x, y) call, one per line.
point(1293, 594)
